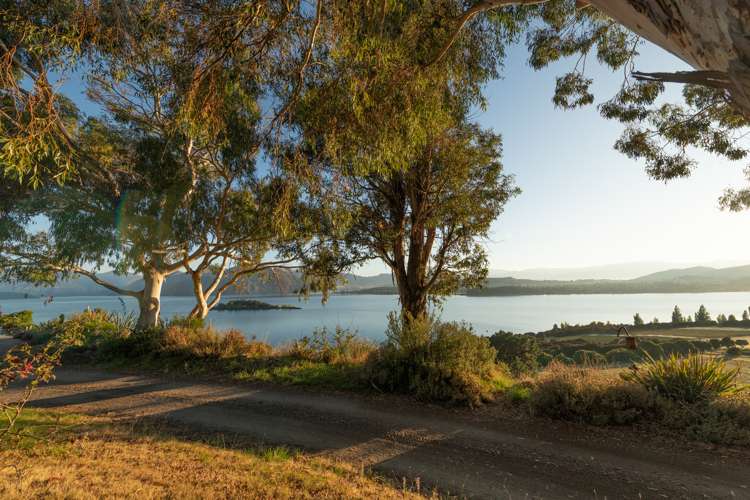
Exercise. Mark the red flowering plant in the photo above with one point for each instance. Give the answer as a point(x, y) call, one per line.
point(30, 366)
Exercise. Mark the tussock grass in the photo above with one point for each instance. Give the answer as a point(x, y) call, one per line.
point(86, 457)
point(687, 379)
point(692, 399)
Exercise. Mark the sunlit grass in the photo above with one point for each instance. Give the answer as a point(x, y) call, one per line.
point(74, 456)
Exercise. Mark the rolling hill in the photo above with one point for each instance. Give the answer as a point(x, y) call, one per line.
point(286, 282)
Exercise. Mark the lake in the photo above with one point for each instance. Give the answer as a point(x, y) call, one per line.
point(367, 313)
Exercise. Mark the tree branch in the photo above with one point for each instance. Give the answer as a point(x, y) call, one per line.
point(715, 79)
point(483, 6)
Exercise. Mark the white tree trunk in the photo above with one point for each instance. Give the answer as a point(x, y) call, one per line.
point(149, 302)
point(710, 35)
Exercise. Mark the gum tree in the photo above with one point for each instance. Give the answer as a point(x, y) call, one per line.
point(386, 133)
point(425, 221)
point(177, 146)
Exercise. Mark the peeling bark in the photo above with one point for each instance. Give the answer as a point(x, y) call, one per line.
point(712, 36)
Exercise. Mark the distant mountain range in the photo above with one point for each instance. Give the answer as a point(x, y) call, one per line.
point(280, 282)
point(689, 280)
point(623, 271)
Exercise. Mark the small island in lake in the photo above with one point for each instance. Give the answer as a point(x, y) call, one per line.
point(251, 305)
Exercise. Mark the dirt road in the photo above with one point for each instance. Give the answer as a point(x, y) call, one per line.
point(474, 454)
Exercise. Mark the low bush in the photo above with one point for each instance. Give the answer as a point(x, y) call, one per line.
point(733, 352)
point(715, 343)
point(13, 323)
point(207, 342)
point(742, 342)
point(651, 349)
point(563, 359)
point(605, 397)
point(686, 379)
point(444, 362)
point(343, 346)
point(589, 358)
point(544, 359)
point(590, 395)
point(726, 342)
point(519, 352)
point(679, 348)
point(622, 356)
point(724, 420)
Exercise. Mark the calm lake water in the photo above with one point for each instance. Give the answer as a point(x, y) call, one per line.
point(367, 313)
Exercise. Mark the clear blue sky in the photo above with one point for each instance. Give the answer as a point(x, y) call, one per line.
point(583, 203)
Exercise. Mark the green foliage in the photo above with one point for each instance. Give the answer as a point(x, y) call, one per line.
point(732, 352)
point(702, 316)
point(686, 379)
point(726, 342)
point(205, 342)
point(637, 320)
point(677, 317)
point(679, 347)
point(34, 365)
point(589, 358)
point(651, 349)
point(187, 322)
point(563, 359)
point(662, 134)
point(622, 356)
point(519, 352)
point(444, 362)
point(343, 346)
point(15, 322)
point(544, 359)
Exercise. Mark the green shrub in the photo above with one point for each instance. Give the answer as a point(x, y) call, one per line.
point(344, 346)
point(742, 342)
point(563, 359)
point(187, 322)
point(589, 358)
point(702, 345)
point(444, 362)
point(96, 326)
point(544, 359)
point(651, 349)
point(724, 420)
point(679, 347)
point(16, 322)
point(622, 356)
point(733, 351)
point(727, 342)
point(715, 343)
point(207, 342)
point(591, 395)
point(519, 352)
point(686, 379)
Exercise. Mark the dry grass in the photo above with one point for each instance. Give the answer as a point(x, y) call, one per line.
point(97, 458)
point(697, 332)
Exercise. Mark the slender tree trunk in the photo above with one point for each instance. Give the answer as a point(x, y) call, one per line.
point(201, 308)
point(149, 302)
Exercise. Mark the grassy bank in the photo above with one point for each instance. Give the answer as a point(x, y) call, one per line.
point(72, 456)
